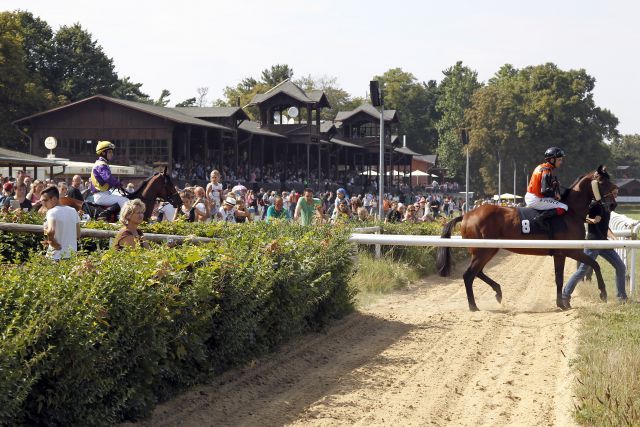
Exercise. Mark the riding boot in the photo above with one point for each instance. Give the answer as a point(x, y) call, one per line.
point(110, 214)
point(542, 218)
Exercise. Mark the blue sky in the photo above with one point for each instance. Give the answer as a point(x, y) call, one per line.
point(185, 45)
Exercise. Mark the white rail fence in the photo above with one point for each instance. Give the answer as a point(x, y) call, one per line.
point(624, 229)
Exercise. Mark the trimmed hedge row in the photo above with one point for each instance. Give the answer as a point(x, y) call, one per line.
point(103, 337)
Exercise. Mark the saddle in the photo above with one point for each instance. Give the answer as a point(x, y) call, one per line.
point(529, 225)
point(108, 213)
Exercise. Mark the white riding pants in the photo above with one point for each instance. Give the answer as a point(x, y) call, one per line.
point(106, 198)
point(543, 203)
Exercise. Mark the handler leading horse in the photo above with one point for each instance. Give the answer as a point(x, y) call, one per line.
point(496, 222)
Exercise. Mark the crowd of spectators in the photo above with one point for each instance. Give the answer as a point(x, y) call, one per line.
point(216, 201)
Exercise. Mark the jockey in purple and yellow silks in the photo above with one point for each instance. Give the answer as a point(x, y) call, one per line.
point(101, 179)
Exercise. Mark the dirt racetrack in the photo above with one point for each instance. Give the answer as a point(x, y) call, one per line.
point(418, 357)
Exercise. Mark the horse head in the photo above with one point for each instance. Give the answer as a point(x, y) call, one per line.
point(158, 186)
point(602, 188)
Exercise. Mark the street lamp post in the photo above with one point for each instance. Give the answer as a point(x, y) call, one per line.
point(377, 99)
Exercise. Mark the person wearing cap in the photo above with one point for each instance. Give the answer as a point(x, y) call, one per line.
point(227, 211)
point(341, 194)
point(101, 179)
point(7, 193)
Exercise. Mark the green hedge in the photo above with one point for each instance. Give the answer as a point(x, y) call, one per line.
point(103, 337)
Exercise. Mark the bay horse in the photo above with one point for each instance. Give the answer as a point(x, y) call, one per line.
point(496, 222)
point(159, 185)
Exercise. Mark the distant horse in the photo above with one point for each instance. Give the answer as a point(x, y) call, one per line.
point(159, 185)
point(496, 222)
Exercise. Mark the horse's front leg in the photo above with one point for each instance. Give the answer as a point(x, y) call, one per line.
point(558, 264)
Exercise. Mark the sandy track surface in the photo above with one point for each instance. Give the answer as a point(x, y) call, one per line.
point(413, 358)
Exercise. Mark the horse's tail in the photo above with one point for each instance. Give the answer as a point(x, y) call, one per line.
point(443, 260)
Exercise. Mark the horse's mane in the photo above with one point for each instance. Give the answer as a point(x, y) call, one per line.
point(567, 190)
point(144, 183)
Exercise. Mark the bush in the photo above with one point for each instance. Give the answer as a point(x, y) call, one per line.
point(103, 337)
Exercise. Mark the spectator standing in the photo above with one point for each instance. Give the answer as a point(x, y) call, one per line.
point(131, 216)
point(36, 189)
point(20, 198)
point(62, 226)
point(214, 190)
point(75, 189)
point(307, 207)
point(277, 211)
point(227, 211)
point(7, 193)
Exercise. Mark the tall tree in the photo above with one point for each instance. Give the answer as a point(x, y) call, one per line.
point(276, 74)
point(81, 68)
point(625, 151)
point(126, 89)
point(202, 96)
point(520, 113)
point(339, 99)
point(454, 97)
point(415, 102)
point(21, 89)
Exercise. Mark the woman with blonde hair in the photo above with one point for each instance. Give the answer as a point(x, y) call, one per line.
point(131, 216)
point(36, 189)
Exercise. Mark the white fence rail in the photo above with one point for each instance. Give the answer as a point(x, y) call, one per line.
point(624, 229)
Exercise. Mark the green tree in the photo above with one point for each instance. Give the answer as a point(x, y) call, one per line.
point(81, 68)
point(191, 102)
point(21, 90)
point(126, 89)
point(454, 97)
point(520, 113)
point(339, 99)
point(276, 74)
point(625, 151)
point(415, 103)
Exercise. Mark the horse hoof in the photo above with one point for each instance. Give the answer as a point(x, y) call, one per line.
point(499, 298)
point(473, 308)
point(603, 296)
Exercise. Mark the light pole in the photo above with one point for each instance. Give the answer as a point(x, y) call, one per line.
point(377, 99)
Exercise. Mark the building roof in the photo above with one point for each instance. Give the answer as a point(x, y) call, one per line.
point(17, 158)
point(344, 143)
point(254, 127)
point(326, 127)
point(170, 114)
point(429, 158)
point(294, 91)
point(212, 112)
point(408, 151)
point(390, 116)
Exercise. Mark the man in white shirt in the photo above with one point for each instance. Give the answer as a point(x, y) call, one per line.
point(62, 226)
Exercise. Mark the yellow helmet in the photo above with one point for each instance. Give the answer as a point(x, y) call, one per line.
point(104, 146)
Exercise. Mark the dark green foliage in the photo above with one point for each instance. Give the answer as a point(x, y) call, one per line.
point(17, 247)
point(101, 338)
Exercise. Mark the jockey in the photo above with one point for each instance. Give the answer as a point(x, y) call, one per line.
point(101, 179)
point(543, 192)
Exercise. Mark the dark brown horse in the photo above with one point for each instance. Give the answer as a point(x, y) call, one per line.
point(159, 185)
point(495, 222)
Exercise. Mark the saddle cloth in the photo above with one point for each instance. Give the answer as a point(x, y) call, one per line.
point(529, 226)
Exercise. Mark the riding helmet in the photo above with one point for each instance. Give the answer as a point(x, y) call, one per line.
point(104, 146)
point(554, 153)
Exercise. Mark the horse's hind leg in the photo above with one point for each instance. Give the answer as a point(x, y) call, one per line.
point(479, 259)
point(494, 285)
point(558, 264)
